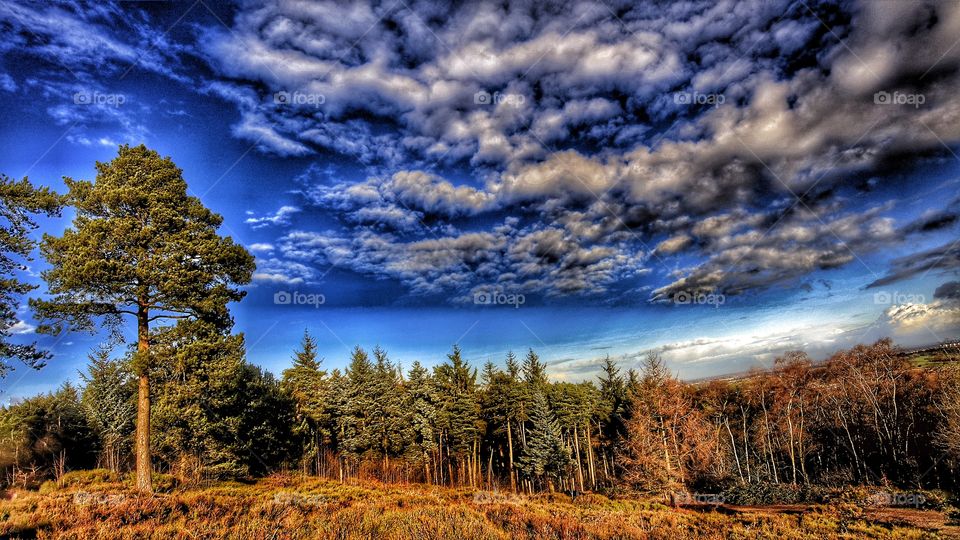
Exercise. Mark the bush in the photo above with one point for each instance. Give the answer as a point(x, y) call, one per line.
point(162, 483)
point(48, 487)
point(770, 493)
point(86, 478)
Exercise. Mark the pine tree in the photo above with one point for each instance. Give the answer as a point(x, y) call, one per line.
point(308, 386)
point(216, 415)
point(141, 246)
point(611, 414)
point(109, 404)
point(387, 416)
point(459, 415)
point(18, 201)
point(420, 401)
point(545, 458)
point(534, 371)
point(355, 426)
point(48, 434)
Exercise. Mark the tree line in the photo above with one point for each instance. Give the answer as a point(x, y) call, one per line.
point(863, 416)
point(183, 399)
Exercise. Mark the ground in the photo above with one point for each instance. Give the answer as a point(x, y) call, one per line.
point(287, 507)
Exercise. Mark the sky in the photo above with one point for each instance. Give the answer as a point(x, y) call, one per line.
point(716, 181)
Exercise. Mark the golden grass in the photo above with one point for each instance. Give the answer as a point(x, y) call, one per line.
point(284, 507)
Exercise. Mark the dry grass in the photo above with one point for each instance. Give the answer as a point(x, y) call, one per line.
point(290, 508)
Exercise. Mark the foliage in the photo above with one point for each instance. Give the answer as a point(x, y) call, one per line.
point(141, 246)
point(45, 436)
point(19, 200)
point(216, 415)
point(108, 401)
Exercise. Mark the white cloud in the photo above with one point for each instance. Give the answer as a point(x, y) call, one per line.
point(280, 217)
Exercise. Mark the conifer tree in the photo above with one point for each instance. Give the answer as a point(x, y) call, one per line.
point(459, 414)
point(357, 436)
point(545, 458)
point(387, 416)
point(109, 404)
point(611, 415)
point(216, 415)
point(140, 246)
point(420, 400)
point(534, 371)
point(19, 200)
point(307, 385)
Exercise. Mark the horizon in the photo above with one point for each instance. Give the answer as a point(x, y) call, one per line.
point(719, 183)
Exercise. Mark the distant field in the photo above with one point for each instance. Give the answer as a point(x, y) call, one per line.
point(288, 508)
point(933, 358)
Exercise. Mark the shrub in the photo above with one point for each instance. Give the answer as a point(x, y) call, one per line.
point(86, 478)
point(48, 486)
point(162, 483)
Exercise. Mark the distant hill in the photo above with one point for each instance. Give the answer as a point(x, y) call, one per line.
point(938, 354)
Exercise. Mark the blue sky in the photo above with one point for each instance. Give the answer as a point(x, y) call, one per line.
point(791, 166)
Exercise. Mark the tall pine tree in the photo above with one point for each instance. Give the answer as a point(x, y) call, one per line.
point(140, 246)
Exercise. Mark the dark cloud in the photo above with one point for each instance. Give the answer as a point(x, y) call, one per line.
point(945, 257)
point(948, 291)
point(563, 148)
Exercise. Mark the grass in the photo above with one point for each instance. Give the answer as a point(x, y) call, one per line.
point(286, 507)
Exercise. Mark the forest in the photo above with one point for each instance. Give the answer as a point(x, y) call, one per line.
point(183, 404)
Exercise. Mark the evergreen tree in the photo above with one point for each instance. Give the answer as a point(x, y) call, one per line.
point(459, 414)
point(534, 372)
point(141, 246)
point(611, 414)
point(109, 404)
point(545, 458)
point(420, 401)
point(308, 386)
point(387, 416)
point(357, 436)
point(216, 415)
point(18, 201)
point(45, 436)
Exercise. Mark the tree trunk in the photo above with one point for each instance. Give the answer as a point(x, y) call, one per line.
point(733, 444)
point(513, 476)
point(590, 459)
point(144, 480)
point(576, 446)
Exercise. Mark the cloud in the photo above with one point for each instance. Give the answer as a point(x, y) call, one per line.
point(22, 327)
point(280, 217)
point(949, 291)
point(284, 272)
point(921, 323)
point(943, 258)
point(260, 247)
point(570, 149)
